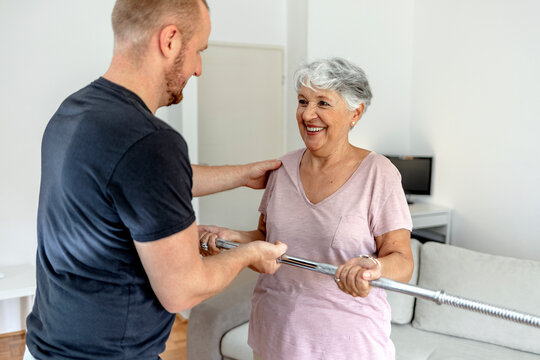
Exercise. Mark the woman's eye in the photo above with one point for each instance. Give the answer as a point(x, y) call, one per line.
point(323, 103)
point(302, 102)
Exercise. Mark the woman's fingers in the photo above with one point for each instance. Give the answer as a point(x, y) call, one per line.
point(353, 277)
point(212, 244)
point(207, 241)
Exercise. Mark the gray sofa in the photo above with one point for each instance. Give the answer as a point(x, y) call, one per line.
point(217, 328)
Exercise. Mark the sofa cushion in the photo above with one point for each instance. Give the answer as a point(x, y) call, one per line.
point(403, 305)
point(414, 344)
point(497, 280)
point(234, 343)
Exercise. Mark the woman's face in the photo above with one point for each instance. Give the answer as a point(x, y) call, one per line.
point(324, 120)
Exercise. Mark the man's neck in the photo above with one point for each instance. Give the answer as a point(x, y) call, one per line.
point(138, 79)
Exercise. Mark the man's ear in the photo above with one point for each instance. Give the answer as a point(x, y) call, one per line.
point(170, 41)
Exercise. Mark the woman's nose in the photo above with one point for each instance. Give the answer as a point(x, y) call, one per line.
point(309, 113)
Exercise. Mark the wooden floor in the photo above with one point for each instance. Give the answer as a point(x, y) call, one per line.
point(12, 344)
point(176, 345)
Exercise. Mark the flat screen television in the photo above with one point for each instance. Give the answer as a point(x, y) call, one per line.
point(415, 173)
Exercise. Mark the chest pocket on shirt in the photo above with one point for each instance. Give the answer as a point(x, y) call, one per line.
point(353, 234)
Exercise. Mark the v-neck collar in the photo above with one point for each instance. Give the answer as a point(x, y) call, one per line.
point(335, 193)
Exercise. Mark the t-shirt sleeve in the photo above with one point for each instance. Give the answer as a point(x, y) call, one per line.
point(151, 186)
point(268, 192)
point(390, 211)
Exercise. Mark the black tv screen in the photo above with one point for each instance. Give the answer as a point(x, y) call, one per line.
point(415, 173)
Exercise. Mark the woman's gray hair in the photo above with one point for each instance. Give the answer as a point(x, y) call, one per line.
point(339, 75)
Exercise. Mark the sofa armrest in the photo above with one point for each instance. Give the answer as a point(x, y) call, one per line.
point(213, 318)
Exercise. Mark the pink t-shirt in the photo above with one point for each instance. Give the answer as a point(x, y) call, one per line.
point(299, 314)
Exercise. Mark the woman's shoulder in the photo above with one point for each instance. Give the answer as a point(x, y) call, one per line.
point(291, 160)
point(292, 156)
point(288, 169)
point(289, 165)
point(379, 159)
point(381, 165)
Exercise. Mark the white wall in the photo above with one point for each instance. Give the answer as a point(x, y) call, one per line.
point(260, 22)
point(297, 53)
point(257, 23)
point(475, 107)
point(376, 35)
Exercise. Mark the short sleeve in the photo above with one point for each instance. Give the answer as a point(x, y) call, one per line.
point(390, 212)
point(268, 192)
point(151, 186)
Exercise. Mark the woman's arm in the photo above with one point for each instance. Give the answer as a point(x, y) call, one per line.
point(209, 233)
point(395, 261)
point(395, 255)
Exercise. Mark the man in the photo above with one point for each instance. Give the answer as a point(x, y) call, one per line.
point(118, 249)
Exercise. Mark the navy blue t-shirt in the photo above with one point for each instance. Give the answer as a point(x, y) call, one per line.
point(111, 173)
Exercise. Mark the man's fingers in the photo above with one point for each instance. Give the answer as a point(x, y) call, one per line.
point(272, 164)
point(282, 247)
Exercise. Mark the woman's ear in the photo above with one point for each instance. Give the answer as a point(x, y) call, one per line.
point(357, 114)
point(170, 41)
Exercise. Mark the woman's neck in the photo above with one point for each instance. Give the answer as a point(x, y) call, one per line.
point(339, 155)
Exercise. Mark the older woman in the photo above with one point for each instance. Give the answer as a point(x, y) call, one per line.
point(330, 202)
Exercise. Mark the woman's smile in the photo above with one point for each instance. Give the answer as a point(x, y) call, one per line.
point(313, 130)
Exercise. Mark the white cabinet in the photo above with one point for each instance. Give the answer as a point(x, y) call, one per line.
point(18, 281)
point(431, 221)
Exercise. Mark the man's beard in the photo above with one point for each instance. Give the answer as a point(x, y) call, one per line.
point(174, 81)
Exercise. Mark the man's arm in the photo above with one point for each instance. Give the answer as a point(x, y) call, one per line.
point(212, 179)
point(181, 279)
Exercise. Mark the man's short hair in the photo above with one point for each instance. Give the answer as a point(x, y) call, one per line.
point(134, 21)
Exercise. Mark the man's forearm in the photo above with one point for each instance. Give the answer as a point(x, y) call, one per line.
point(178, 275)
point(180, 278)
point(219, 271)
point(212, 179)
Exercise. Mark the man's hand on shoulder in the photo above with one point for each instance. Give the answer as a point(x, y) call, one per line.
point(257, 173)
point(212, 179)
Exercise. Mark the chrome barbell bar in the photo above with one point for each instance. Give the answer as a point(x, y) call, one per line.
point(437, 296)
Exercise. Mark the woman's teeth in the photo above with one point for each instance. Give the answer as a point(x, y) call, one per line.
point(314, 129)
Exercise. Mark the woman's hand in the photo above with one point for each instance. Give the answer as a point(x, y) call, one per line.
point(353, 277)
point(208, 235)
